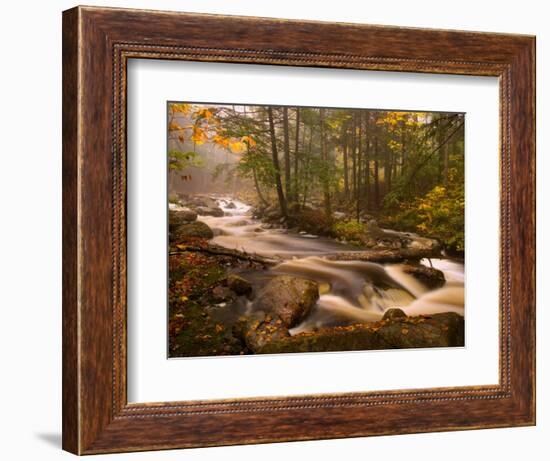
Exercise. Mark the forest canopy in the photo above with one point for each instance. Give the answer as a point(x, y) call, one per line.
point(340, 168)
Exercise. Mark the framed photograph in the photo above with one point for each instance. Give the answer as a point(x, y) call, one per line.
point(285, 230)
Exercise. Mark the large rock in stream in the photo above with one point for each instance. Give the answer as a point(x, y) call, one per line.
point(202, 200)
point(267, 335)
point(216, 211)
point(430, 277)
point(290, 298)
point(178, 217)
point(196, 229)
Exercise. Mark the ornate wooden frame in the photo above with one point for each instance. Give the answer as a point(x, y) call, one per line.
point(97, 43)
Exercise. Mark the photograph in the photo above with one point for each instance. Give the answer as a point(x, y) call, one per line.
point(313, 229)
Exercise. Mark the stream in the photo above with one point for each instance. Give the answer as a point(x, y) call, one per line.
point(350, 291)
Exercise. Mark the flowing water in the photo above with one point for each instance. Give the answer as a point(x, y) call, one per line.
point(350, 291)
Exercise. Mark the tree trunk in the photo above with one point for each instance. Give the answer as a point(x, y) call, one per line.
point(346, 175)
point(295, 195)
point(358, 192)
point(446, 163)
point(440, 160)
point(387, 168)
point(443, 162)
point(286, 146)
point(275, 156)
point(394, 160)
point(354, 156)
point(257, 186)
point(306, 165)
point(359, 158)
point(403, 152)
point(367, 162)
point(376, 175)
point(324, 157)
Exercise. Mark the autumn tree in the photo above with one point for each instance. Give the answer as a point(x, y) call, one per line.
point(276, 167)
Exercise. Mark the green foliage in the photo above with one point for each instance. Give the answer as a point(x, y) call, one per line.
point(439, 213)
point(353, 232)
point(256, 161)
point(178, 160)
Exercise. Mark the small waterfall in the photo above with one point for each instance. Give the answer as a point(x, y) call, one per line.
point(334, 310)
point(414, 287)
point(449, 298)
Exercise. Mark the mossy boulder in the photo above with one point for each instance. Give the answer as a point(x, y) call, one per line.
point(312, 221)
point(437, 330)
point(239, 285)
point(260, 330)
point(202, 200)
point(291, 298)
point(178, 217)
point(193, 229)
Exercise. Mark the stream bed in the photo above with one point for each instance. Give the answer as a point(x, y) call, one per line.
point(350, 291)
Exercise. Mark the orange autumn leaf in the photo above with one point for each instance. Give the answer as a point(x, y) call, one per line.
point(199, 135)
point(180, 108)
point(249, 140)
point(204, 113)
point(174, 127)
point(220, 140)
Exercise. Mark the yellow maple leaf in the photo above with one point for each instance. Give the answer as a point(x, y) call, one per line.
point(199, 135)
